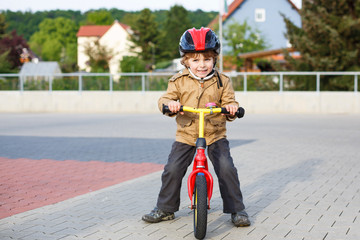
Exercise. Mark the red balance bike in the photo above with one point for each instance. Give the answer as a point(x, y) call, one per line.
point(200, 181)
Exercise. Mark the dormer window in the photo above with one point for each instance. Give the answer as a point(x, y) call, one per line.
point(260, 15)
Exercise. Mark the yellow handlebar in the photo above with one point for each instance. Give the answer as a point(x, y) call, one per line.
point(201, 112)
point(240, 113)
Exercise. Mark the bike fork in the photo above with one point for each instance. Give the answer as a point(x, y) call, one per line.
point(200, 167)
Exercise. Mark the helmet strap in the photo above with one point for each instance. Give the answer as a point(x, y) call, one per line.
point(210, 75)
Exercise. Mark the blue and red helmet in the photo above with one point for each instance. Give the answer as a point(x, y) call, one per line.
point(199, 40)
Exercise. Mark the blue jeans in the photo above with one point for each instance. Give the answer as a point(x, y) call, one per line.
point(180, 158)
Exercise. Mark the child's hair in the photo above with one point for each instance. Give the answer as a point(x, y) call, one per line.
point(207, 54)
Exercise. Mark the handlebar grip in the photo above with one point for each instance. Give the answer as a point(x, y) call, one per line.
point(165, 109)
point(239, 113)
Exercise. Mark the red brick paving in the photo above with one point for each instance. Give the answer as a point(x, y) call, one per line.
point(27, 184)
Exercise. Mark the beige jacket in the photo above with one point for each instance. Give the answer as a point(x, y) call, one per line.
point(188, 91)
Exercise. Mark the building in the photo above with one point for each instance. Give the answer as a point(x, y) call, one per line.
point(263, 15)
point(40, 69)
point(114, 38)
point(39, 72)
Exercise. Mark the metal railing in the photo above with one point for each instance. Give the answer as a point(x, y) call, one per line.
point(283, 74)
point(244, 81)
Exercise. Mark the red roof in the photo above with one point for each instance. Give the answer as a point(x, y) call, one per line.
point(92, 31)
point(233, 6)
point(96, 30)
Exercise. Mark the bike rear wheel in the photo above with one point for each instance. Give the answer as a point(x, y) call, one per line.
point(200, 207)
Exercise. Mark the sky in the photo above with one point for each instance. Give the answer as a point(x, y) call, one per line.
point(127, 5)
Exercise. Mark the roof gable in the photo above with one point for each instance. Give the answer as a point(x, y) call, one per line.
point(235, 5)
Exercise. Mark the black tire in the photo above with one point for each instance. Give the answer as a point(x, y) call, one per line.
point(201, 207)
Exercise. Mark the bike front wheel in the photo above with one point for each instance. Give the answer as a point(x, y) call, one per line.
point(200, 207)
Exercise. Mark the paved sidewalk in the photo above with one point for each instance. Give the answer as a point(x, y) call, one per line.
point(299, 175)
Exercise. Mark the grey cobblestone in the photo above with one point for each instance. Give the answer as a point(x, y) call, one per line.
point(299, 176)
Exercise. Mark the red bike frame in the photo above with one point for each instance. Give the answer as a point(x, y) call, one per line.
point(200, 166)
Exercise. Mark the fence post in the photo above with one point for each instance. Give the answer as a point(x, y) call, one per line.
point(21, 83)
point(50, 83)
point(355, 83)
point(110, 83)
point(245, 82)
point(281, 82)
point(80, 83)
point(143, 83)
point(318, 82)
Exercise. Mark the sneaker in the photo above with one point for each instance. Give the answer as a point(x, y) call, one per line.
point(158, 215)
point(240, 219)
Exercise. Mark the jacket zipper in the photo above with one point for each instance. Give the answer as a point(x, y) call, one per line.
point(201, 83)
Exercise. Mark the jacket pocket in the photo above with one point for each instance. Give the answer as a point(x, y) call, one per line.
point(214, 125)
point(184, 121)
point(217, 123)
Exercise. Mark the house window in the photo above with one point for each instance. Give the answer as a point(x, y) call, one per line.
point(259, 15)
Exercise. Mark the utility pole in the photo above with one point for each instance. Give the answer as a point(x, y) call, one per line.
point(220, 36)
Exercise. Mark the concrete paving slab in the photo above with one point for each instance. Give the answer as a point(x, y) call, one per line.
point(299, 176)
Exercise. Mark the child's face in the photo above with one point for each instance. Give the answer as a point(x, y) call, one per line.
point(201, 66)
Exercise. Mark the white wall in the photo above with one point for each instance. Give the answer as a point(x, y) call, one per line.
point(146, 102)
point(82, 57)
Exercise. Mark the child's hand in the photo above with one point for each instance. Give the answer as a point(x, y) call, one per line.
point(174, 107)
point(231, 109)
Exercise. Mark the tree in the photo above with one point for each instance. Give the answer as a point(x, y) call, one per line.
point(5, 65)
point(99, 57)
point(242, 39)
point(27, 23)
point(11, 46)
point(3, 25)
point(102, 17)
point(132, 64)
point(130, 19)
point(177, 22)
point(200, 18)
point(329, 39)
point(56, 41)
point(146, 35)
point(7, 48)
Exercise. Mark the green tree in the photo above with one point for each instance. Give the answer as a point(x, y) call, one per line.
point(177, 22)
point(200, 18)
point(27, 23)
point(242, 39)
point(101, 17)
point(3, 25)
point(329, 39)
point(130, 19)
point(146, 35)
point(117, 14)
point(5, 65)
point(99, 57)
point(56, 41)
point(132, 64)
